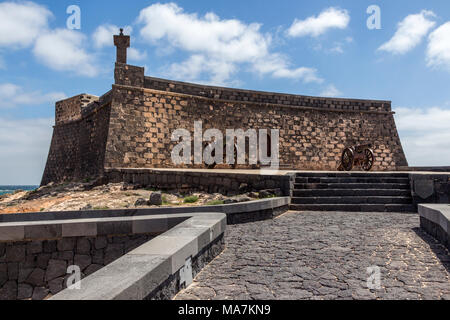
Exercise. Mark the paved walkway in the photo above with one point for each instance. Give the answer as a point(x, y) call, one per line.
point(325, 255)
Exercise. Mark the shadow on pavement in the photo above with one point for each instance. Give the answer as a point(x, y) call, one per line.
point(438, 248)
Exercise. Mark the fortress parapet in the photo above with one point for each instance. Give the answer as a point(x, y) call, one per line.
point(71, 109)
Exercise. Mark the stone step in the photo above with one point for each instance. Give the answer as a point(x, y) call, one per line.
point(403, 186)
point(353, 174)
point(355, 207)
point(351, 192)
point(350, 180)
point(352, 200)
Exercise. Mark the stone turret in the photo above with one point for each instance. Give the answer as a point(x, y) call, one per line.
point(125, 74)
point(122, 43)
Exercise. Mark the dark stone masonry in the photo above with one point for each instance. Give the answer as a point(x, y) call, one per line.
point(131, 125)
point(36, 269)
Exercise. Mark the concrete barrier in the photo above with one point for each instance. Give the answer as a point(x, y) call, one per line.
point(236, 212)
point(435, 220)
point(159, 268)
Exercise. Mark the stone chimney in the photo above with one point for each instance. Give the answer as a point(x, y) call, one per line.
point(122, 42)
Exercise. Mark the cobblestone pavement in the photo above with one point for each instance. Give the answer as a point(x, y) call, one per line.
point(325, 255)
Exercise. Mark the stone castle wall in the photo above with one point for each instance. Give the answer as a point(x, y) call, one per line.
point(71, 109)
point(310, 138)
point(239, 95)
point(78, 146)
point(131, 126)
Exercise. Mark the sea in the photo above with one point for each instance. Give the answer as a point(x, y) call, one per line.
point(12, 189)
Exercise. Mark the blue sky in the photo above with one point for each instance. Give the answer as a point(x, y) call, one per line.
point(301, 47)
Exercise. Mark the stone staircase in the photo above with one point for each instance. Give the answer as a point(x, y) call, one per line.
point(352, 191)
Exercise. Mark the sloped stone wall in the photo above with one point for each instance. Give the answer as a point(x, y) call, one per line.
point(78, 147)
point(231, 94)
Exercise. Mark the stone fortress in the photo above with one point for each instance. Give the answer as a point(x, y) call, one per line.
point(158, 252)
point(131, 125)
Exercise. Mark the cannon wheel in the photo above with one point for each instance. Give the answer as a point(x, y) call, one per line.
point(347, 159)
point(368, 160)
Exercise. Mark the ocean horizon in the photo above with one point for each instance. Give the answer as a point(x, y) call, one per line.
point(7, 189)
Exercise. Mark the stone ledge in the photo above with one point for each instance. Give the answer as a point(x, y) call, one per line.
point(137, 275)
point(46, 230)
point(435, 220)
point(76, 217)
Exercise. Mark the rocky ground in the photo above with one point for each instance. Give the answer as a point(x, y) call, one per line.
point(84, 196)
point(326, 255)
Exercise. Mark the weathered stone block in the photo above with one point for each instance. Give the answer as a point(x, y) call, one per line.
point(82, 261)
point(83, 246)
point(56, 285)
point(3, 273)
point(101, 242)
point(42, 260)
point(9, 291)
point(13, 271)
point(55, 269)
point(49, 246)
point(15, 253)
point(34, 247)
point(97, 257)
point(66, 244)
point(24, 273)
point(65, 255)
point(36, 278)
point(25, 291)
point(40, 293)
point(156, 199)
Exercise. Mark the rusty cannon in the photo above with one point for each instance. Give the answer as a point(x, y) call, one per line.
point(361, 155)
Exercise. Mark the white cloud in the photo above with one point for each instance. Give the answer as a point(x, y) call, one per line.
point(438, 51)
point(198, 66)
point(12, 95)
point(217, 46)
point(136, 55)
point(62, 50)
point(277, 65)
point(21, 23)
point(330, 18)
point(410, 32)
point(103, 35)
point(425, 135)
point(229, 39)
point(337, 48)
point(25, 24)
point(26, 142)
point(331, 91)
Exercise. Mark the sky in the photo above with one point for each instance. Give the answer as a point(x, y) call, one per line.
point(398, 51)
